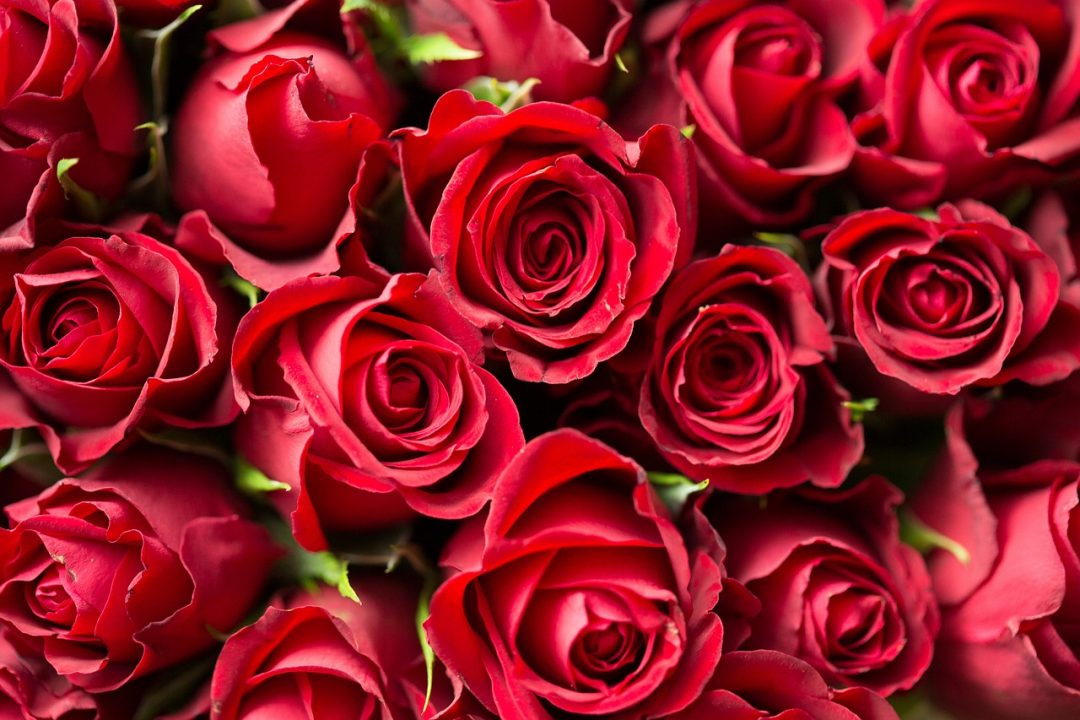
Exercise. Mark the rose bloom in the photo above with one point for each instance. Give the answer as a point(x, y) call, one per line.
point(31, 690)
point(765, 683)
point(67, 92)
point(737, 391)
point(366, 399)
point(943, 304)
point(546, 228)
point(104, 337)
point(577, 594)
point(1009, 642)
point(837, 587)
point(1054, 222)
point(129, 568)
point(569, 47)
point(968, 99)
point(267, 143)
point(759, 82)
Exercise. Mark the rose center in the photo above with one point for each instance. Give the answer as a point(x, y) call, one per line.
point(50, 600)
point(783, 50)
point(609, 652)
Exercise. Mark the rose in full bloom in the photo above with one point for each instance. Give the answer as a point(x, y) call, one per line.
point(569, 47)
point(837, 587)
point(268, 141)
point(577, 594)
point(759, 83)
point(737, 391)
point(366, 400)
point(131, 567)
point(968, 98)
point(765, 683)
point(104, 335)
point(942, 304)
point(66, 92)
point(320, 655)
point(546, 228)
point(1010, 608)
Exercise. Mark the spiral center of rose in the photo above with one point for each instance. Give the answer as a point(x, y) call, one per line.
point(51, 600)
point(402, 390)
point(609, 652)
point(777, 50)
point(945, 295)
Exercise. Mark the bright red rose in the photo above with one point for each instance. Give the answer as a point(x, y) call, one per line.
point(66, 91)
point(104, 337)
point(547, 229)
point(943, 304)
point(968, 98)
point(1011, 608)
point(737, 391)
point(758, 81)
point(569, 47)
point(131, 567)
point(837, 587)
point(763, 683)
point(367, 400)
point(578, 595)
point(267, 144)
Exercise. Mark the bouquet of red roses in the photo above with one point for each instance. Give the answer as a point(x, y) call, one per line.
point(538, 360)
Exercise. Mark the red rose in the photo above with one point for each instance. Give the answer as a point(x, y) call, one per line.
point(578, 594)
point(943, 304)
point(366, 398)
point(129, 568)
point(569, 47)
point(759, 82)
point(546, 228)
point(837, 587)
point(68, 92)
point(765, 683)
point(268, 142)
point(31, 690)
point(321, 655)
point(1054, 222)
point(968, 98)
point(107, 336)
point(737, 391)
point(1010, 607)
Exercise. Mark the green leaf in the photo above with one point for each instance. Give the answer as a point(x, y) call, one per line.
point(169, 691)
point(860, 408)
point(238, 284)
point(924, 538)
point(230, 11)
point(688, 131)
point(423, 612)
point(433, 48)
point(1015, 205)
point(927, 214)
point(159, 64)
point(790, 245)
point(620, 63)
point(675, 489)
point(86, 203)
point(305, 568)
point(252, 481)
point(508, 95)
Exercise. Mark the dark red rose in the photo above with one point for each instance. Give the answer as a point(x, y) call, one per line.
point(753, 684)
point(367, 400)
point(129, 568)
point(758, 81)
point(547, 229)
point(104, 337)
point(968, 98)
point(66, 91)
point(1010, 604)
point(267, 144)
point(578, 594)
point(320, 655)
point(737, 391)
point(837, 587)
point(943, 304)
point(569, 47)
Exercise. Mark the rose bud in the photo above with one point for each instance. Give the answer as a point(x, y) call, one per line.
point(1007, 583)
point(837, 587)
point(67, 93)
point(320, 655)
point(367, 401)
point(105, 337)
point(758, 83)
point(765, 683)
point(737, 391)
point(131, 567)
point(967, 99)
point(577, 594)
point(943, 304)
point(569, 48)
point(267, 145)
point(544, 228)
